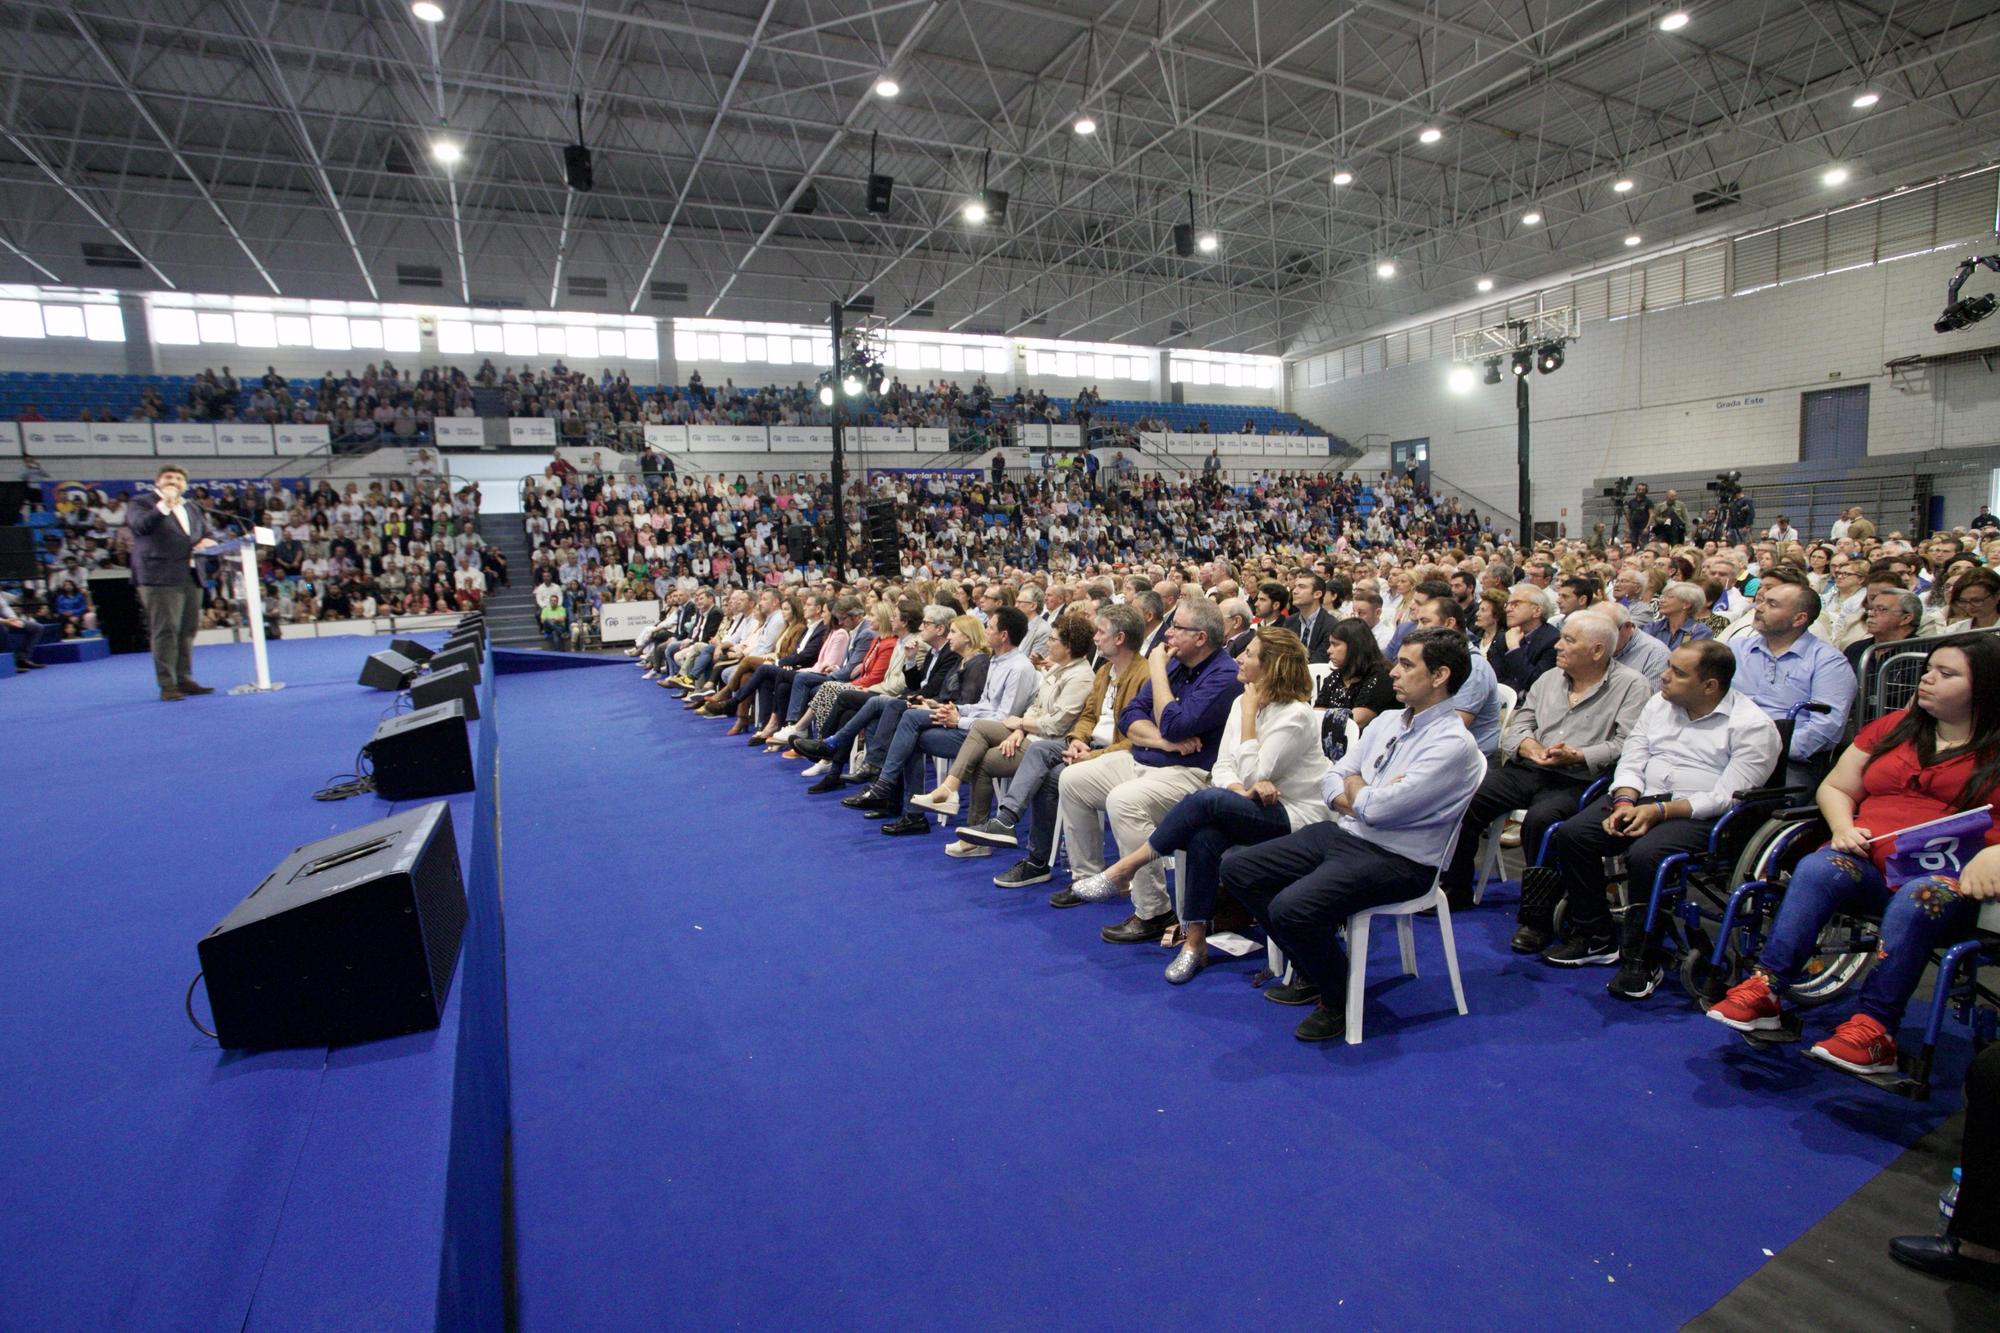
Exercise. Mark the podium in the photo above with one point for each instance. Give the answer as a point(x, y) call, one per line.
point(245, 549)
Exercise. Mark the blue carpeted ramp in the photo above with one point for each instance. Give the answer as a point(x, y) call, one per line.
point(772, 1069)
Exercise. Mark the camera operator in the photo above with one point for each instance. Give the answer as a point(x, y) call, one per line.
point(1638, 514)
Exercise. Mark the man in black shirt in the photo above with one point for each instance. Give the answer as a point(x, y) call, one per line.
point(1638, 513)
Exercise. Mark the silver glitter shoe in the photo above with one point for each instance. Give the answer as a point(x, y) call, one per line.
point(1186, 963)
point(1097, 889)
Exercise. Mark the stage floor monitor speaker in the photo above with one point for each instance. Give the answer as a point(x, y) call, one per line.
point(352, 938)
point(476, 642)
point(456, 682)
point(413, 650)
point(387, 670)
point(464, 655)
point(422, 754)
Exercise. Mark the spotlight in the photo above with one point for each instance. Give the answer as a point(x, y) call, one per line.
point(447, 151)
point(427, 12)
point(1963, 314)
point(850, 384)
point(1485, 284)
point(1532, 218)
point(1524, 361)
point(1632, 240)
point(887, 87)
point(1461, 379)
point(825, 394)
point(1674, 22)
point(1084, 124)
point(1864, 99)
point(1343, 177)
point(974, 211)
point(1549, 358)
point(1386, 269)
point(1207, 243)
point(1492, 370)
point(1835, 176)
point(1623, 185)
point(1430, 134)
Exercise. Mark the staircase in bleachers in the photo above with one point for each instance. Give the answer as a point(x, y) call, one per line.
point(511, 616)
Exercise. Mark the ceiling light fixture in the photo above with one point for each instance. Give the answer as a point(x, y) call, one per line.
point(1084, 124)
point(1835, 176)
point(1674, 22)
point(1429, 134)
point(887, 87)
point(1623, 185)
point(1532, 218)
point(1486, 284)
point(1343, 177)
point(1386, 269)
point(447, 151)
point(1632, 240)
point(1864, 99)
point(1207, 243)
point(427, 12)
point(974, 211)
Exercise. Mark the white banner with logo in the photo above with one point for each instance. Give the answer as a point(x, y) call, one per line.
point(1315, 444)
point(1065, 437)
point(667, 439)
point(296, 440)
point(1034, 435)
point(1155, 440)
point(729, 439)
point(531, 431)
point(597, 458)
point(127, 439)
point(459, 431)
point(886, 440)
point(933, 440)
point(10, 440)
point(241, 439)
point(802, 439)
point(55, 439)
point(624, 622)
point(184, 439)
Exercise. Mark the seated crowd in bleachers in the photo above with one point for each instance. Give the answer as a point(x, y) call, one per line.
point(1311, 724)
point(346, 550)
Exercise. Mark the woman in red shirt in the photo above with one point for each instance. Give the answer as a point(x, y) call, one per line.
point(1906, 768)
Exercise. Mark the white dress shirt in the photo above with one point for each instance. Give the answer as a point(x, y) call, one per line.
point(1286, 753)
point(1703, 761)
point(1421, 773)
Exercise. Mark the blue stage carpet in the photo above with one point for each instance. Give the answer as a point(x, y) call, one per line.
point(772, 1069)
point(152, 1181)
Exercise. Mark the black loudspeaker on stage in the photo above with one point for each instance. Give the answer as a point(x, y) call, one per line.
point(464, 655)
point(387, 671)
point(456, 682)
point(351, 938)
point(422, 754)
point(411, 649)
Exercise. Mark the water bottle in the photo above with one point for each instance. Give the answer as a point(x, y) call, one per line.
point(1948, 1201)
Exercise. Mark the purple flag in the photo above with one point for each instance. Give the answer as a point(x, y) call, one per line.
point(1939, 847)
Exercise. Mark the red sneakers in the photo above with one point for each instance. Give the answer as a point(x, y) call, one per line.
point(1860, 1046)
point(1749, 1007)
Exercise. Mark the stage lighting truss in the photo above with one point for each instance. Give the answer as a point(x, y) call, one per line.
point(1560, 324)
point(862, 369)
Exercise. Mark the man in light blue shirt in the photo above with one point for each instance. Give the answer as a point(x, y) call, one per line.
point(1397, 799)
point(1780, 666)
point(1010, 686)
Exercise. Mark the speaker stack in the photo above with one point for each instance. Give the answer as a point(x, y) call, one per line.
point(885, 557)
point(351, 938)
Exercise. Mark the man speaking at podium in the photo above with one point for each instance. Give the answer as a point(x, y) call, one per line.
point(167, 531)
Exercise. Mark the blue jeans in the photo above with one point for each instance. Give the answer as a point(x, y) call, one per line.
point(877, 715)
point(1205, 824)
point(1916, 918)
point(901, 745)
point(1035, 783)
point(931, 742)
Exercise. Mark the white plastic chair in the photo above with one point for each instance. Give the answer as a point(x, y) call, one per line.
point(1490, 868)
point(1357, 949)
point(1507, 701)
point(1319, 671)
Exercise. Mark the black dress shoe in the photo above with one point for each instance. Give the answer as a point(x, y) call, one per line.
point(907, 825)
point(812, 747)
point(831, 782)
point(872, 797)
point(1136, 929)
point(171, 696)
point(1064, 898)
point(864, 776)
point(196, 687)
point(1939, 1255)
point(1322, 1024)
point(1296, 991)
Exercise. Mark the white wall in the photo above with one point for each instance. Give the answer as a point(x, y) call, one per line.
point(1641, 394)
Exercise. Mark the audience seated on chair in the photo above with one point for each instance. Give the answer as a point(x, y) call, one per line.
point(1396, 799)
point(1527, 648)
point(1782, 667)
point(1912, 767)
point(1265, 784)
point(1476, 699)
point(1356, 689)
point(933, 670)
point(1099, 732)
point(1697, 743)
point(1565, 731)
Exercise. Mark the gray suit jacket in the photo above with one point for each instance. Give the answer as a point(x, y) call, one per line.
point(161, 553)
